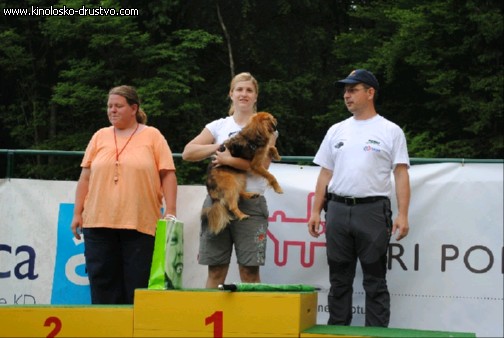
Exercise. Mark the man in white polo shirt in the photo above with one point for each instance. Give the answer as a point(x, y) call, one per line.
point(357, 157)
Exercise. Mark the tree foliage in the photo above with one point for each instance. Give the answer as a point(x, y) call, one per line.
point(439, 64)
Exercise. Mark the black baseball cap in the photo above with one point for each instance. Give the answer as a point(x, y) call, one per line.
point(360, 76)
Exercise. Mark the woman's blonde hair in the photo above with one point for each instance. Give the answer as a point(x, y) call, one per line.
point(131, 96)
point(242, 77)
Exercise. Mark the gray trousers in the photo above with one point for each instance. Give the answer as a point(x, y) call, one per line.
point(360, 232)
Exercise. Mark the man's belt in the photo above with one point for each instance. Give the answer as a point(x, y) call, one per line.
point(355, 200)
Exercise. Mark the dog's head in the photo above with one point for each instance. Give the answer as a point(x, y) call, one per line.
point(264, 123)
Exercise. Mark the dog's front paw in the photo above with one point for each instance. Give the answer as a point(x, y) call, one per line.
point(278, 190)
point(248, 195)
point(244, 216)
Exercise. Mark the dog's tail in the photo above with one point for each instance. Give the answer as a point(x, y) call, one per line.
point(217, 216)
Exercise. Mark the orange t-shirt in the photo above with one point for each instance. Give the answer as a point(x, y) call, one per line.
point(135, 201)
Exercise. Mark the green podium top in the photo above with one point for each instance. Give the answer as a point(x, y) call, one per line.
point(381, 332)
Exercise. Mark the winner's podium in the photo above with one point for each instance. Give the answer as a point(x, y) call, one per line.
point(191, 313)
point(213, 313)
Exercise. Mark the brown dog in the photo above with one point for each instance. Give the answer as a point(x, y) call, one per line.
point(225, 184)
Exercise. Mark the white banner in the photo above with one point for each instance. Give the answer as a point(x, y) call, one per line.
point(446, 275)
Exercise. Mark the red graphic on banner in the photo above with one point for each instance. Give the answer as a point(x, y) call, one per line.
point(283, 247)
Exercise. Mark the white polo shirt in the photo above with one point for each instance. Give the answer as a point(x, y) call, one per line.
point(362, 154)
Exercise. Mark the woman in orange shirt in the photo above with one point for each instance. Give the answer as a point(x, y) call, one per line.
point(127, 169)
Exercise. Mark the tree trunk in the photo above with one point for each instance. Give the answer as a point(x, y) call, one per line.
point(228, 40)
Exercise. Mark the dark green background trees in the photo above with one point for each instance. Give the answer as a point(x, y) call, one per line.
point(439, 63)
